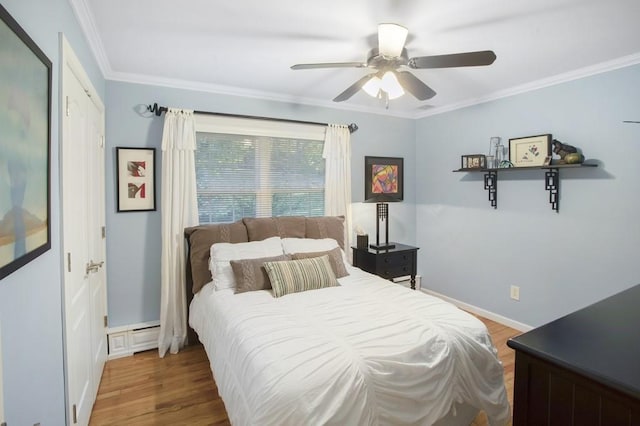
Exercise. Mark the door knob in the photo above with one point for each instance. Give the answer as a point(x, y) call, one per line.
point(93, 267)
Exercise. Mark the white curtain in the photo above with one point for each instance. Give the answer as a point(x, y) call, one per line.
point(337, 191)
point(179, 209)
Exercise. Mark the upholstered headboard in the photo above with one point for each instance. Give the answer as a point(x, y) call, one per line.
point(200, 238)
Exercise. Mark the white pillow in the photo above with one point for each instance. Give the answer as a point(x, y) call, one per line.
point(307, 245)
point(223, 253)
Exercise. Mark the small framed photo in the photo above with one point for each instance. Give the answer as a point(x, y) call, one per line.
point(136, 184)
point(530, 151)
point(473, 161)
point(383, 178)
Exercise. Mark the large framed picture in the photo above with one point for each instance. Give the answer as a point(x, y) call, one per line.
point(25, 145)
point(383, 178)
point(136, 179)
point(530, 151)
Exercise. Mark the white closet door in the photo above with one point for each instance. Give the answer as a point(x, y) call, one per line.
point(83, 239)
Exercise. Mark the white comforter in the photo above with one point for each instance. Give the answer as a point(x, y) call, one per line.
point(369, 352)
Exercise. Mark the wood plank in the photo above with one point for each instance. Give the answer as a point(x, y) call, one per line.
point(144, 389)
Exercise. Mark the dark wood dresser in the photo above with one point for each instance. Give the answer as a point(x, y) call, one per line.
point(402, 260)
point(582, 369)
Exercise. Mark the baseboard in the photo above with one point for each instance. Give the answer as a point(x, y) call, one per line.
point(129, 339)
point(482, 312)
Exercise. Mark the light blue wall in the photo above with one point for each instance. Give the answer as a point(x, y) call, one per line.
point(133, 239)
point(561, 261)
point(31, 298)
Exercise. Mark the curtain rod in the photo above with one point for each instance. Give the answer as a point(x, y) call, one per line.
point(158, 110)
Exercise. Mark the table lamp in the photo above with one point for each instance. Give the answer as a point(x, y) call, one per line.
point(382, 215)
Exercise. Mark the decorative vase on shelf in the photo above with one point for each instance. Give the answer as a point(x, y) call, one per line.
point(497, 150)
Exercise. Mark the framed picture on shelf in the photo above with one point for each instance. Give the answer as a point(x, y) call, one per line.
point(25, 147)
point(473, 161)
point(384, 176)
point(136, 179)
point(530, 151)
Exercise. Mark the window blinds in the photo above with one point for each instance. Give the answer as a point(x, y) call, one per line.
point(262, 171)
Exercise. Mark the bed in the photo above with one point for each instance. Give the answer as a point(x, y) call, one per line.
point(358, 351)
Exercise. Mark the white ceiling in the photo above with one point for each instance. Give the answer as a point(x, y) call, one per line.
point(246, 47)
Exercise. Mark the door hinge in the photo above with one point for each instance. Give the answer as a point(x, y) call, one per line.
point(75, 414)
point(106, 321)
point(104, 232)
point(69, 261)
point(67, 107)
point(101, 141)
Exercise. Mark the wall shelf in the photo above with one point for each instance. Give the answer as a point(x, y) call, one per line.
point(552, 179)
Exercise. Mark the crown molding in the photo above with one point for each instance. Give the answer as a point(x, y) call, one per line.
point(600, 68)
point(247, 93)
point(89, 28)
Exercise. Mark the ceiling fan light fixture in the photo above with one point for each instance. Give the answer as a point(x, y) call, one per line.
point(372, 87)
point(391, 38)
point(391, 85)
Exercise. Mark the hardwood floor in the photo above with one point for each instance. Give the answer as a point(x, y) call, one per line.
point(179, 390)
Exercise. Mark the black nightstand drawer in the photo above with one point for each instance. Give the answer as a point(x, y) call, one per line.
point(399, 261)
point(393, 272)
point(395, 259)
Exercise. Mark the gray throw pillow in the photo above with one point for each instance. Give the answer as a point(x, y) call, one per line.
point(250, 274)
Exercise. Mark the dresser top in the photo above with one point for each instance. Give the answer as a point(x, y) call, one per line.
point(601, 342)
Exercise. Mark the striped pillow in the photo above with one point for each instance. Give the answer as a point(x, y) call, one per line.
point(293, 276)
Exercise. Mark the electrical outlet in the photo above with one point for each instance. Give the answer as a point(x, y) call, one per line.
point(515, 292)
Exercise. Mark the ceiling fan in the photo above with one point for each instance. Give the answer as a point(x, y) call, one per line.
point(389, 81)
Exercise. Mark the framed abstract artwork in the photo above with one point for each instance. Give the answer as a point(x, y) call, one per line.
point(25, 145)
point(383, 178)
point(136, 179)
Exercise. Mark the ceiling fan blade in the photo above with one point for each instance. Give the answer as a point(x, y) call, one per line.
point(468, 59)
point(328, 65)
point(415, 86)
point(391, 39)
point(353, 89)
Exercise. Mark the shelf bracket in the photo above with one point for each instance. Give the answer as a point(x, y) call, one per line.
point(552, 184)
point(491, 185)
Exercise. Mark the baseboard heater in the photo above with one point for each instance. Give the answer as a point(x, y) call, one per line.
point(129, 339)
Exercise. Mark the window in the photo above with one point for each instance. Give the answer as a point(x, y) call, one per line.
point(250, 172)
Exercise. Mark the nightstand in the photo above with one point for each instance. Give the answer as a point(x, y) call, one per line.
point(399, 261)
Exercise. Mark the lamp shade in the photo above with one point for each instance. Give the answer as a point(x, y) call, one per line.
point(372, 87)
point(391, 85)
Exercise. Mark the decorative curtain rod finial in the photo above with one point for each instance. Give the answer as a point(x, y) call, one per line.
point(352, 127)
point(158, 110)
